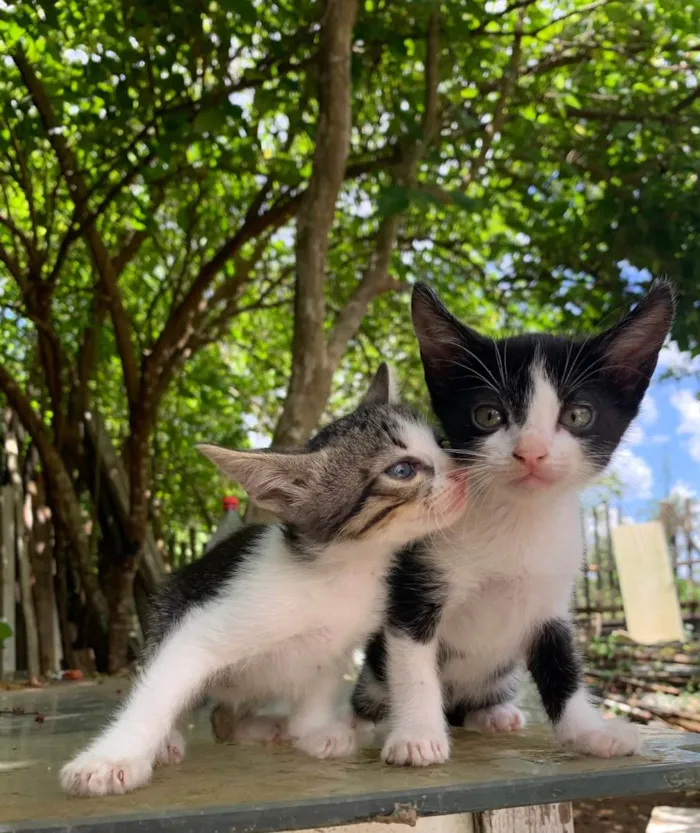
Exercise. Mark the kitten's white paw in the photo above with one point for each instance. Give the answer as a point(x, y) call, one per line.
point(260, 729)
point(506, 717)
point(92, 774)
point(333, 741)
point(173, 749)
point(421, 746)
point(613, 739)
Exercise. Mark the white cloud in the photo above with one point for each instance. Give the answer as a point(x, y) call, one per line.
point(660, 439)
point(688, 406)
point(682, 490)
point(634, 434)
point(676, 360)
point(633, 473)
point(648, 413)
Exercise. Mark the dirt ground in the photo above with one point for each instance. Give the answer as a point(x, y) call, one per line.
point(626, 815)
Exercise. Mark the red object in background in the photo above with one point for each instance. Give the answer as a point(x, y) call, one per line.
point(73, 674)
point(229, 524)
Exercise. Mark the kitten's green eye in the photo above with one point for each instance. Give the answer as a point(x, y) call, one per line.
point(488, 417)
point(405, 470)
point(576, 417)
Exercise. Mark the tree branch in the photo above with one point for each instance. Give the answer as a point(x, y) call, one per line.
point(79, 194)
point(507, 86)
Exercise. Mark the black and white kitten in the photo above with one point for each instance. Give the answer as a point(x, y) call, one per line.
point(533, 418)
point(274, 612)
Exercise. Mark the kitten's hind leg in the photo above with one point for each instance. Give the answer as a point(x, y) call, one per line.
point(234, 722)
point(230, 726)
point(503, 717)
point(556, 669)
point(316, 726)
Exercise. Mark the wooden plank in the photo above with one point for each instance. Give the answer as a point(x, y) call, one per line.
point(646, 580)
point(674, 820)
point(463, 823)
point(544, 818)
point(258, 789)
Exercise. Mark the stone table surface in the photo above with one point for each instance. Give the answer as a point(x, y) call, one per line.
point(256, 789)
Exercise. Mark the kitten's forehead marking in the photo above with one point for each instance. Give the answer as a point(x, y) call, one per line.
point(420, 441)
point(544, 405)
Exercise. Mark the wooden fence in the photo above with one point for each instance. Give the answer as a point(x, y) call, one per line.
point(597, 599)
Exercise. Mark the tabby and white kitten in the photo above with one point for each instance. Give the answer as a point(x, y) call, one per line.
point(275, 611)
point(533, 419)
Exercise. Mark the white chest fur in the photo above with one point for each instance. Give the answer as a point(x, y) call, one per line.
point(508, 567)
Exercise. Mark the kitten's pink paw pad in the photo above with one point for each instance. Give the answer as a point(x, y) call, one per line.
point(502, 718)
point(419, 747)
point(173, 750)
point(335, 741)
point(91, 775)
point(615, 739)
point(259, 730)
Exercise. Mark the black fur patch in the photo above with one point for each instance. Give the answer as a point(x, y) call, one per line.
point(417, 594)
point(364, 704)
point(555, 666)
point(375, 656)
point(199, 582)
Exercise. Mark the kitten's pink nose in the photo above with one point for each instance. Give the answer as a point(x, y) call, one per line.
point(530, 451)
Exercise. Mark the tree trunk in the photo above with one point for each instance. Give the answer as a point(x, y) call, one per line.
point(120, 584)
point(315, 356)
point(37, 520)
point(7, 570)
point(64, 498)
point(61, 590)
point(310, 378)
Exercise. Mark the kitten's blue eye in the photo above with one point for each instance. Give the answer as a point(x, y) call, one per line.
point(577, 417)
point(404, 470)
point(488, 417)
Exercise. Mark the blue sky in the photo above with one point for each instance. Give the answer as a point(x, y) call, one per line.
point(660, 454)
point(661, 451)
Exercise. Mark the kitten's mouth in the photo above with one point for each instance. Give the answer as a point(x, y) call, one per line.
point(533, 480)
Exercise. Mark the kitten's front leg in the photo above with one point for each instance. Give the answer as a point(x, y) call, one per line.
point(315, 725)
point(556, 669)
point(418, 734)
point(122, 757)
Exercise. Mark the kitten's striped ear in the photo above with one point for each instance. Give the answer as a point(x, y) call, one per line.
point(277, 481)
point(383, 389)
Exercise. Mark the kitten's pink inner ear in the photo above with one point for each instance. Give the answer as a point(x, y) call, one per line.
point(440, 335)
point(634, 344)
point(436, 329)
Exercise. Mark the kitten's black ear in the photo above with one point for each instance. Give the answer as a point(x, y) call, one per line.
point(383, 389)
point(276, 481)
point(441, 336)
point(631, 347)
